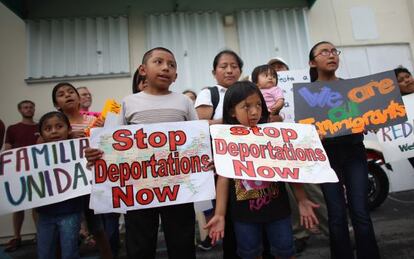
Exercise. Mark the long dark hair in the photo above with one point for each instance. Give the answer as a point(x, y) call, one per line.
point(313, 71)
point(238, 92)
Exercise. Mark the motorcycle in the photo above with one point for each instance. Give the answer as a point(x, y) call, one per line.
point(378, 183)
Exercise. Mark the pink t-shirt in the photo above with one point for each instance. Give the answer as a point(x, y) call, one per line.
point(271, 95)
point(87, 120)
point(96, 114)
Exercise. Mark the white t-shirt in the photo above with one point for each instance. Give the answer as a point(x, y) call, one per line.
point(204, 98)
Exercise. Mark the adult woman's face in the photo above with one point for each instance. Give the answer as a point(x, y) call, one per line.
point(406, 83)
point(227, 71)
point(326, 58)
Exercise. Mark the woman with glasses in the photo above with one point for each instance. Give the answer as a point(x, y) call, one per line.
point(347, 157)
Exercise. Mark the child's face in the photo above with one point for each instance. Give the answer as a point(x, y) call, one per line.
point(406, 83)
point(160, 70)
point(67, 98)
point(227, 71)
point(322, 62)
point(266, 80)
point(249, 111)
point(54, 129)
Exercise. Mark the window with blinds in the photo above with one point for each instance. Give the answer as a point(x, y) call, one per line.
point(264, 34)
point(76, 48)
point(194, 38)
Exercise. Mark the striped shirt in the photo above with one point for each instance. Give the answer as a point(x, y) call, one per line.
point(143, 108)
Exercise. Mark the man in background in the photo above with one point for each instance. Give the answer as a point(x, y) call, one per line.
point(85, 98)
point(24, 133)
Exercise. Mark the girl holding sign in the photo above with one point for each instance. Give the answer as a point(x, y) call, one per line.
point(66, 99)
point(60, 221)
point(255, 206)
point(348, 158)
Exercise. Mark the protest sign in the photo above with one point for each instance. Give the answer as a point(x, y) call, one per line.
point(152, 165)
point(286, 79)
point(284, 152)
point(343, 107)
point(43, 174)
point(397, 141)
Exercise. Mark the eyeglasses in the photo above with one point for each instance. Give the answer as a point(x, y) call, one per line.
point(326, 52)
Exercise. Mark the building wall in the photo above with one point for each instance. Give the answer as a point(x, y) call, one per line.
point(331, 20)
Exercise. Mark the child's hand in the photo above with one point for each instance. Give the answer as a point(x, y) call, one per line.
point(216, 228)
point(321, 136)
point(307, 216)
point(274, 109)
point(98, 122)
point(77, 134)
point(92, 154)
point(275, 118)
point(210, 165)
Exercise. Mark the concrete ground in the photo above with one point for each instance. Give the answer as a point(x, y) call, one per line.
point(393, 222)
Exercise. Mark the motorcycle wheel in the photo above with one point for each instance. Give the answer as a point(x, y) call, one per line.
point(378, 185)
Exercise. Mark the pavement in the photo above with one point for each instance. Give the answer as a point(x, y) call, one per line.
point(393, 223)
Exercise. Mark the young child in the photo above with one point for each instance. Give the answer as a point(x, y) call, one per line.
point(244, 104)
point(156, 103)
point(59, 221)
point(347, 156)
point(265, 77)
point(66, 99)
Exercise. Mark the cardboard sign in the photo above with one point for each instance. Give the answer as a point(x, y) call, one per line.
point(43, 174)
point(286, 79)
point(397, 141)
point(344, 107)
point(284, 152)
point(152, 165)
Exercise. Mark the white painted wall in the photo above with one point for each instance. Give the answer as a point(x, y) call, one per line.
point(12, 71)
point(331, 20)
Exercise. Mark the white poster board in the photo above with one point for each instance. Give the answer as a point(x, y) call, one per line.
point(43, 174)
point(154, 165)
point(286, 79)
point(275, 152)
point(397, 142)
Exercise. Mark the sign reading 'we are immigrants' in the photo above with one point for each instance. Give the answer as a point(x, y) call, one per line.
point(344, 107)
point(43, 174)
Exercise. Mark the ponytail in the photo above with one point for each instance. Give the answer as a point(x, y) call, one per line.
point(313, 73)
